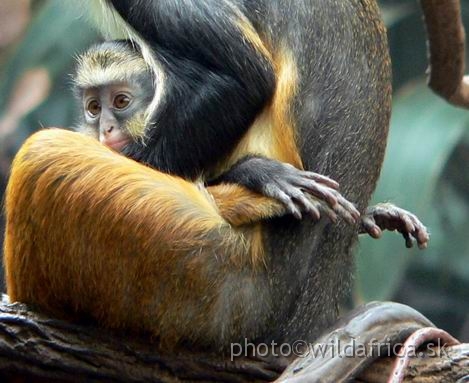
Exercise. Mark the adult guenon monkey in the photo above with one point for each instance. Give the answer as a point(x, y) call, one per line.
point(301, 82)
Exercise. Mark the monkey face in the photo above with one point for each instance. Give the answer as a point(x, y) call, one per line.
point(109, 108)
point(114, 88)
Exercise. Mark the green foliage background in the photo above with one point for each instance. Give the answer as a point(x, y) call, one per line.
point(426, 168)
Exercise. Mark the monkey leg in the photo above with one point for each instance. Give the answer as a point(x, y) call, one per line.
point(386, 216)
point(90, 232)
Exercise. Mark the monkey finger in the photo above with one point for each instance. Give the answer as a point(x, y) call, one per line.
point(422, 245)
point(420, 232)
point(408, 240)
point(390, 217)
point(375, 232)
point(329, 212)
point(293, 210)
point(414, 227)
point(313, 208)
point(314, 212)
point(380, 216)
point(304, 203)
point(407, 221)
point(277, 193)
point(369, 226)
point(345, 214)
point(320, 191)
point(348, 206)
point(322, 207)
point(321, 179)
point(422, 237)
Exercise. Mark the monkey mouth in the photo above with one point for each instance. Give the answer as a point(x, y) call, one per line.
point(117, 144)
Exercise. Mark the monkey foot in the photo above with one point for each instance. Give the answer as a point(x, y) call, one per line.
point(386, 216)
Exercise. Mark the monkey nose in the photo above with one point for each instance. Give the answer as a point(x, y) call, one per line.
point(109, 129)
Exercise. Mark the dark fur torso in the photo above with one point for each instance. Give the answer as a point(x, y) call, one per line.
point(342, 114)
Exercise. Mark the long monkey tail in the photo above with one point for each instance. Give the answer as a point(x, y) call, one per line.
point(90, 232)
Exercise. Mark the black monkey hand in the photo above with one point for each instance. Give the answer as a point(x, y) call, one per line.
point(386, 216)
point(308, 192)
point(300, 191)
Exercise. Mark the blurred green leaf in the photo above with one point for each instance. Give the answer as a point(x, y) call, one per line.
point(53, 39)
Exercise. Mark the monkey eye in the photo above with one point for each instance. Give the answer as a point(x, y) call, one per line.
point(121, 101)
point(93, 108)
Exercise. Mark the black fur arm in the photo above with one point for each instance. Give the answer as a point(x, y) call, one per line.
point(218, 77)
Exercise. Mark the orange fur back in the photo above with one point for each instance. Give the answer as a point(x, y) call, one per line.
point(90, 232)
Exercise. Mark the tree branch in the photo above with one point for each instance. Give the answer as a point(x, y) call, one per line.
point(35, 346)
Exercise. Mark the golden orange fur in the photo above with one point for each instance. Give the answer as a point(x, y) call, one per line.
point(92, 232)
point(272, 134)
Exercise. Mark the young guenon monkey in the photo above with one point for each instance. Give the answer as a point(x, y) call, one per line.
point(114, 87)
point(305, 83)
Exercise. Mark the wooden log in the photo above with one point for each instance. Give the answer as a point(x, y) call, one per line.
point(35, 347)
